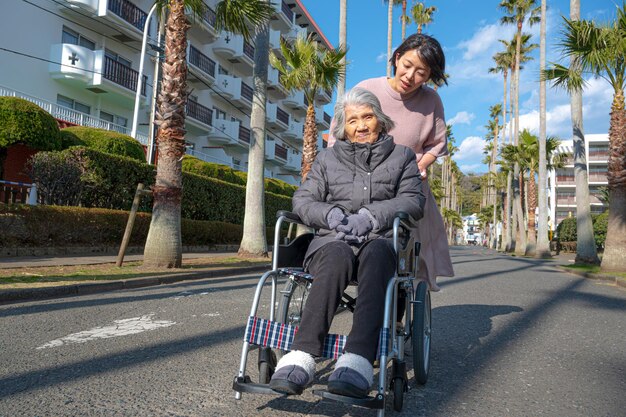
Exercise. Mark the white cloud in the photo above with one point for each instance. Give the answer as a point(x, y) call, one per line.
point(462, 117)
point(484, 39)
point(473, 168)
point(382, 57)
point(471, 148)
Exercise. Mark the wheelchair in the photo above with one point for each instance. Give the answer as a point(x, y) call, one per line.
point(273, 336)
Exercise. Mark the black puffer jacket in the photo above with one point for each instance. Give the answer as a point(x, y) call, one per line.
point(381, 177)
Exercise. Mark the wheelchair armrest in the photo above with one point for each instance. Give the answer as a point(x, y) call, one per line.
point(291, 217)
point(406, 221)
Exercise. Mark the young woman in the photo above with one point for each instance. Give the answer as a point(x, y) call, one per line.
point(417, 112)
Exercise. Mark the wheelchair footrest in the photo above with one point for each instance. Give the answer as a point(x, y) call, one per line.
point(246, 385)
point(376, 402)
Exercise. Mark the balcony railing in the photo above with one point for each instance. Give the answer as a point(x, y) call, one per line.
point(248, 49)
point(201, 61)
point(199, 112)
point(244, 134)
point(565, 179)
point(129, 12)
point(209, 16)
point(598, 177)
point(282, 115)
point(247, 92)
point(598, 155)
point(280, 152)
point(560, 201)
point(123, 75)
point(284, 7)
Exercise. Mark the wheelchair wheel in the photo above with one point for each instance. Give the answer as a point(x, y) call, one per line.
point(292, 302)
point(421, 333)
point(398, 394)
point(267, 364)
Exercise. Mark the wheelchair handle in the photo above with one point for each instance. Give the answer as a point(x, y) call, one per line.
point(292, 217)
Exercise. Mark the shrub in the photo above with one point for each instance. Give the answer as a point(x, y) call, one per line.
point(566, 230)
point(58, 178)
point(567, 233)
point(600, 224)
point(24, 122)
point(54, 226)
point(225, 173)
point(105, 141)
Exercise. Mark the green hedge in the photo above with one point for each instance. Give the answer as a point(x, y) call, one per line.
point(54, 226)
point(110, 181)
point(226, 173)
point(24, 122)
point(103, 140)
point(567, 235)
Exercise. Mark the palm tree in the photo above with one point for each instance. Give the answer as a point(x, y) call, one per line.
point(599, 50)
point(494, 113)
point(404, 19)
point(543, 245)
point(254, 242)
point(343, 42)
point(309, 68)
point(518, 11)
point(164, 243)
point(422, 15)
point(390, 4)
point(529, 154)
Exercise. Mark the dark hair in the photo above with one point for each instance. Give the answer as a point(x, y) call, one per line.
point(429, 50)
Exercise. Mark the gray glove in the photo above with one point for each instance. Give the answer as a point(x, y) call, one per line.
point(357, 225)
point(335, 217)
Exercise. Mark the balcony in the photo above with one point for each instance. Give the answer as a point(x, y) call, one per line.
point(565, 201)
point(270, 148)
point(227, 86)
point(294, 161)
point(295, 33)
point(274, 36)
point(235, 50)
point(295, 100)
point(244, 135)
point(598, 156)
point(201, 67)
point(204, 28)
point(275, 89)
point(225, 132)
point(294, 131)
point(324, 96)
point(95, 71)
point(283, 17)
point(565, 180)
point(277, 118)
point(322, 118)
point(598, 177)
point(199, 116)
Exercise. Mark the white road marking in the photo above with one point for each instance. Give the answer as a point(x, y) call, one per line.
point(119, 328)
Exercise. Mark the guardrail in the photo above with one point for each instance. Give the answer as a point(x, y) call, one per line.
point(18, 193)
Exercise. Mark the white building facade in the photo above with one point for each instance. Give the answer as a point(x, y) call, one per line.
point(562, 183)
point(79, 60)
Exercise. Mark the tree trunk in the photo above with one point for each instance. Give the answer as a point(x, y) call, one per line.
point(532, 204)
point(542, 250)
point(585, 244)
point(389, 34)
point(403, 19)
point(164, 242)
point(309, 146)
point(614, 258)
point(254, 242)
point(343, 43)
point(520, 248)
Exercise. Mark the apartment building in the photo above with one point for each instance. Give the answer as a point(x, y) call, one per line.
point(80, 60)
point(563, 185)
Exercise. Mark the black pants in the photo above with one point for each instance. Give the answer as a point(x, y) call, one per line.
point(333, 267)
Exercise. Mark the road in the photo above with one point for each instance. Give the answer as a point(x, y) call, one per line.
point(512, 337)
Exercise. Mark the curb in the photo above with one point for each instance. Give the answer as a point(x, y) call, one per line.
point(29, 294)
point(619, 281)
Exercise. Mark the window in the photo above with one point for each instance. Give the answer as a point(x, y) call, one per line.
point(115, 57)
point(115, 119)
point(219, 114)
point(75, 38)
point(72, 104)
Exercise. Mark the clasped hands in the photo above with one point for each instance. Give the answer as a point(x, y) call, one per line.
point(352, 229)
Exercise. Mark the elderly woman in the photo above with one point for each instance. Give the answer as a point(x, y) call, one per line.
point(350, 197)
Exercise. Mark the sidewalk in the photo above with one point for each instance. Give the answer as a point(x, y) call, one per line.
point(81, 288)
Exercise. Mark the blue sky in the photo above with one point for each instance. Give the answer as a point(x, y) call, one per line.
point(469, 32)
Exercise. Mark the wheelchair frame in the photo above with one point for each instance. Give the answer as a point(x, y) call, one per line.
point(417, 321)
